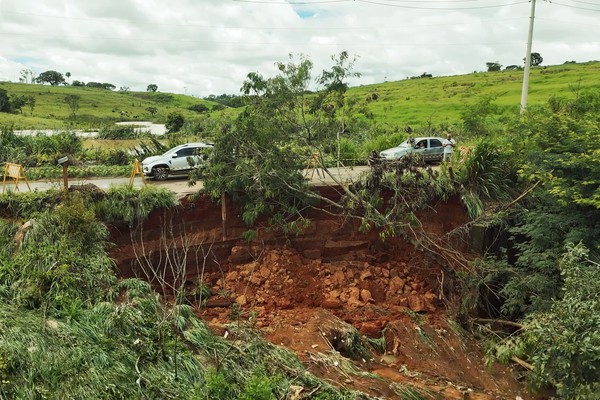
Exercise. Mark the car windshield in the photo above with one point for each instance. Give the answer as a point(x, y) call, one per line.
point(404, 144)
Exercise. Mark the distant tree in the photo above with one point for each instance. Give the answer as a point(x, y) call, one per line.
point(72, 101)
point(152, 87)
point(107, 86)
point(512, 67)
point(4, 101)
point(26, 75)
point(68, 75)
point(198, 108)
point(152, 110)
point(77, 83)
point(536, 59)
point(174, 122)
point(51, 77)
point(30, 102)
point(17, 103)
point(493, 66)
point(229, 100)
point(124, 89)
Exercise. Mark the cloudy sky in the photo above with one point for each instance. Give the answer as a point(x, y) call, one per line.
point(203, 47)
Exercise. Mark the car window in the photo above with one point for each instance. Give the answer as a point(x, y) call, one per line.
point(188, 151)
point(435, 143)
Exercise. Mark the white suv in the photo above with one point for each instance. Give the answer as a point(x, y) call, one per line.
point(180, 160)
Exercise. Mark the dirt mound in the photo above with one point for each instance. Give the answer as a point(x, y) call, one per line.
point(306, 305)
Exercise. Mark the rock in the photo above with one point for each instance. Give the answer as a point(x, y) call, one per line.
point(366, 296)
point(265, 272)
point(371, 329)
point(365, 275)
point(353, 297)
point(332, 304)
point(241, 300)
point(396, 284)
point(418, 303)
point(232, 276)
point(338, 278)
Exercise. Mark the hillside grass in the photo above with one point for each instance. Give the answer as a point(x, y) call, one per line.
point(415, 102)
point(97, 107)
point(440, 100)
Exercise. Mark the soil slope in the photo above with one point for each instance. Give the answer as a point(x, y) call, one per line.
point(310, 292)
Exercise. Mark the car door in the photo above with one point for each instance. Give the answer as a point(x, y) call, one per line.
point(420, 148)
point(436, 151)
point(179, 162)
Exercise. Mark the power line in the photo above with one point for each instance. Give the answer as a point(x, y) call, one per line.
point(575, 7)
point(440, 8)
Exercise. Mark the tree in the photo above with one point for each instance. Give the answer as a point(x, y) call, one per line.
point(536, 59)
point(77, 83)
point(174, 122)
point(30, 102)
point(5, 105)
point(51, 77)
point(493, 66)
point(27, 75)
point(200, 108)
point(152, 87)
point(17, 103)
point(152, 110)
point(72, 101)
point(333, 96)
point(68, 75)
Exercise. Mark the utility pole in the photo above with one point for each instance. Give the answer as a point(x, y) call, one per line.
point(527, 60)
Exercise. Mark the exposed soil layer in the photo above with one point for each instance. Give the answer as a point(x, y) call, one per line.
point(308, 293)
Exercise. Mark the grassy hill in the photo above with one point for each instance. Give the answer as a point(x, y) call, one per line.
point(416, 102)
point(441, 99)
point(97, 106)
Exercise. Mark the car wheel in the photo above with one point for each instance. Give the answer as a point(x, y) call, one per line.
point(160, 174)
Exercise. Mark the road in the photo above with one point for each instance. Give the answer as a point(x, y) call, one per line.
point(180, 185)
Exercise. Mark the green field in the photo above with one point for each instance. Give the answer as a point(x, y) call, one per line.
point(415, 102)
point(97, 107)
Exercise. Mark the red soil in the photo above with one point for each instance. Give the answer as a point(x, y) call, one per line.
point(300, 292)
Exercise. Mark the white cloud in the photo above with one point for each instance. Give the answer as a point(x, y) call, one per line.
point(204, 47)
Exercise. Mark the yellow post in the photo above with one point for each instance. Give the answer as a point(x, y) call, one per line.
point(137, 170)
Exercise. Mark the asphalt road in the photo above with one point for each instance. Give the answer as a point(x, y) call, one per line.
point(179, 185)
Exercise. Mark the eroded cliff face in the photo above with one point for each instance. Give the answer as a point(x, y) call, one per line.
point(302, 291)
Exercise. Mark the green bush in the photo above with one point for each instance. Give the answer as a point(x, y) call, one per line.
point(563, 343)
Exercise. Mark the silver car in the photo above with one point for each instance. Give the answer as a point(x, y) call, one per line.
point(179, 160)
point(430, 148)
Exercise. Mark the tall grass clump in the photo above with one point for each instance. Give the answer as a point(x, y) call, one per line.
point(132, 205)
point(487, 174)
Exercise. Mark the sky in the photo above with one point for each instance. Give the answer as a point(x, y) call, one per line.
point(204, 47)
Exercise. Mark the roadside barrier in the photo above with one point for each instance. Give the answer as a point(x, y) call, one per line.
point(313, 163)
point(15, 173)
point(137, 170)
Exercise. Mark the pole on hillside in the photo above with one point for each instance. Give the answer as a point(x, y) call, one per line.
point(527, 60)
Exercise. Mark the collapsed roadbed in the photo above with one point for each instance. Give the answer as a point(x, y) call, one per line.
point(328, 294)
